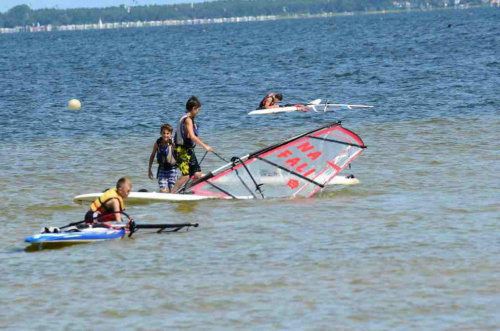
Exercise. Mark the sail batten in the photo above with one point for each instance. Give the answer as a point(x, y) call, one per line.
point(337, 141)
point(220, 189)
point(290, 171)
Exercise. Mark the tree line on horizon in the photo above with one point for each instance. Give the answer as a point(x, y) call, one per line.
point(23, 15)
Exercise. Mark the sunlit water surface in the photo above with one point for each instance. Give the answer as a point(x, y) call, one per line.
point(415, 245)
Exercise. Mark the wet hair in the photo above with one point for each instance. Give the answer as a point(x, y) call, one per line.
point(166, 127)
point(279, 97)
point(192, 103)
point(122, 182)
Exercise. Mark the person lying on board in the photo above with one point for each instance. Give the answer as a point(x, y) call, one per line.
point(186, 138)
point(109, 206)
point(270, 101)
point(164, 150)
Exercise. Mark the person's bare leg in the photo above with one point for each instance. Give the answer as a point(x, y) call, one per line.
point(181, 181)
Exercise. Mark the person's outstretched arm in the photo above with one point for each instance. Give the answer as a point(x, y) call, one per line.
point(151, 159)
point(192, 136)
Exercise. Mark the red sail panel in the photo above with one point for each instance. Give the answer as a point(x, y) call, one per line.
point(301, 167)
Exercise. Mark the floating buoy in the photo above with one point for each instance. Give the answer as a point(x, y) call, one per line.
point(74, 104)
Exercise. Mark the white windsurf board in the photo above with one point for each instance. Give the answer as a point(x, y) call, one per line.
point(149, 197)
point(314, 106)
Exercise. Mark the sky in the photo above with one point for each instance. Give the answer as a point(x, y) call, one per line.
point(5, 5)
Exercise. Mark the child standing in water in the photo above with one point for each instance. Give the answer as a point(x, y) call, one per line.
point(186, 138)
point(163, 149)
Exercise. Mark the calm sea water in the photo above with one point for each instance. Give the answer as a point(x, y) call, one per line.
point(415, 245)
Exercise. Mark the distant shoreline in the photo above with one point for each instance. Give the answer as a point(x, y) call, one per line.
point(100, 25)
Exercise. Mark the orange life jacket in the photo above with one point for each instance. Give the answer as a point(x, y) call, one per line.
point(99, 206)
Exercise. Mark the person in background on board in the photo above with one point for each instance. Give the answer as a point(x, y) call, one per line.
point(163, 149)
point(185, 139)
point(111, 204)
point(270, 101)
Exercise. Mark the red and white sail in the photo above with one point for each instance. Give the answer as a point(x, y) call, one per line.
point(298, 167)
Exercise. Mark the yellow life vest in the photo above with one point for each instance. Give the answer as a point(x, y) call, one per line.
point(98, 205)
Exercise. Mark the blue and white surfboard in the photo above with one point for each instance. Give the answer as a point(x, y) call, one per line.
point(84, 236)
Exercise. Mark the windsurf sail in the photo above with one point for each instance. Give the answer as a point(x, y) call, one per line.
point(303, 165)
